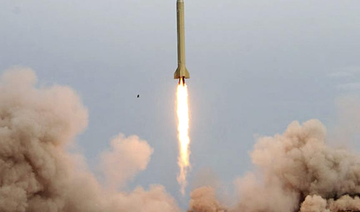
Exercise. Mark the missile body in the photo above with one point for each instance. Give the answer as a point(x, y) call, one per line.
point(181, 72)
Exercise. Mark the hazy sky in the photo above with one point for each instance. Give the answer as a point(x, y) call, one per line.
point(255, 66)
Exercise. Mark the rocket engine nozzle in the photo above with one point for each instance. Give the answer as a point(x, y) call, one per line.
point(182, 81)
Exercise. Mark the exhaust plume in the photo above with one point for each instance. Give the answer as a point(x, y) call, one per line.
point(182, 110)
point(38, 174)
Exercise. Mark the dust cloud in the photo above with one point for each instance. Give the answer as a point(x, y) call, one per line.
point(37, 172)
point(294, 171)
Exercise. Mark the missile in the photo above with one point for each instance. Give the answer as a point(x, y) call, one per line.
point(181, 72)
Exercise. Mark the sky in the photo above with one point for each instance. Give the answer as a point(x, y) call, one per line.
point(255, 67)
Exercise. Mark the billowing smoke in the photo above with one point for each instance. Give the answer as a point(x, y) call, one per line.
point(298, 171)
point(203, 200)
point(129, 156)
point(38, 174)
point(294, 171)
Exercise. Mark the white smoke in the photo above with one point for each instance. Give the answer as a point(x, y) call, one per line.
point(38, 174)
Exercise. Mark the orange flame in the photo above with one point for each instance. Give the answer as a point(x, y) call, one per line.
point(183, 133)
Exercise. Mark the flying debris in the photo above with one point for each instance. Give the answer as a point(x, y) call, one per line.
point(138, 96)
point(181, 72)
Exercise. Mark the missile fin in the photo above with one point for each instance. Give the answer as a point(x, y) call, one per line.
point(181, 72)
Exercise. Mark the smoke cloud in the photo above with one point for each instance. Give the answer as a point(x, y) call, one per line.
point(203, 200)
point(297, 171)
point(293, 171)
point(37, 173)
point(296, 165)
point(129, 155)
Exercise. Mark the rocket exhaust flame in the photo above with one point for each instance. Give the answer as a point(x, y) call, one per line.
point(182, 80)
point(182, 110)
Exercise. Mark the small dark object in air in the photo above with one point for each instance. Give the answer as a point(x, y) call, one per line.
point(138, 96)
